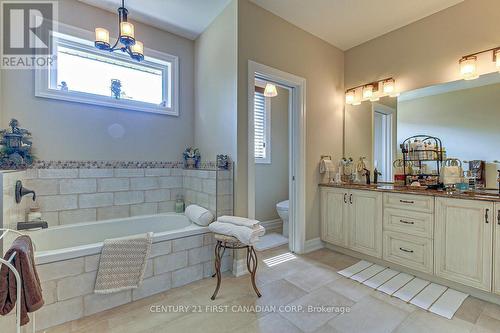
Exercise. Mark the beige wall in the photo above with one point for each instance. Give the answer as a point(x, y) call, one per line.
point(215, 86)
point(427, 52)
point(359, 132)
point(467, 121)
point(73, 131)
point(271, 180)
point(268, 39)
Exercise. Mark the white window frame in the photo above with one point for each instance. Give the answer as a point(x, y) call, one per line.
point(78, 39)
point(267, 138)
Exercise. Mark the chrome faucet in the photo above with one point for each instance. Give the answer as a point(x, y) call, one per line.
point(22, 191)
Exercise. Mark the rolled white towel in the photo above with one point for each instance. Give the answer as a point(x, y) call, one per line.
point(199, 215)
point(245, 235)
point(240, 221)
point(326, 166)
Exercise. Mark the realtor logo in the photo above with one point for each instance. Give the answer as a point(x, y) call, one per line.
point(27, 28)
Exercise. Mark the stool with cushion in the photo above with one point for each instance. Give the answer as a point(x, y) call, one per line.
point(228, 242)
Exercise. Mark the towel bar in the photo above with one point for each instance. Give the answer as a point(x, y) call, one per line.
point(9, 264)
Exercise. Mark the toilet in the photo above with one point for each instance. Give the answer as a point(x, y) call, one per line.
point(282, 209)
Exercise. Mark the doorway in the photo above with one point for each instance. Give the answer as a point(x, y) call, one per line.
point(384, 140)
point(295, 88)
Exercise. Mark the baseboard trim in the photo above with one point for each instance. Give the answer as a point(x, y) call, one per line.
point(313, 245)
point(272, 224)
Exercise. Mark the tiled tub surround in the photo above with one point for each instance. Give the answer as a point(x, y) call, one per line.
point(68, 284)
point(75, 195)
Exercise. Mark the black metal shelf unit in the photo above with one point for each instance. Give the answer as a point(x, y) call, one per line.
point(413, 154)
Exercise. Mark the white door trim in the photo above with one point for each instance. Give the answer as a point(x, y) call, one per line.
point(297, 174)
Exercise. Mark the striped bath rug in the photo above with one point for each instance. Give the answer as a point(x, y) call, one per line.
point(429, 296)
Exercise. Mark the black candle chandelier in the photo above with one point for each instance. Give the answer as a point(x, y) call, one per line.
point(126, 38)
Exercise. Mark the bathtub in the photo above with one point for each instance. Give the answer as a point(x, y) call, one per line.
point(84, 239)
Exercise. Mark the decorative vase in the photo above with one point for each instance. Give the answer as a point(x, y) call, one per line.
point(190, 162)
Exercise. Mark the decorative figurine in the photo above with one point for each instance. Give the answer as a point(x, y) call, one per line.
point(116, 88)
point(223, 162)
point(192, 157)
point(16, 147)
point(63, 86)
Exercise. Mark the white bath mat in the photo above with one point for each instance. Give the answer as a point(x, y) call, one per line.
point(411, 289)
point(448, 303)
point(367, 273)
point(396, 283)
point(429, 296)
point(381, 278)
point(356, 268)
point(270, 241)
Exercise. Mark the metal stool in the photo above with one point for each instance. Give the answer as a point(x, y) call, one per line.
point(228, 242)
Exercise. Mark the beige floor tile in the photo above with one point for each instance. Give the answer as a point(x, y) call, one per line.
point(350, 289)
point(333, 259)
point(313, 278)
point(471, 309)
point(425, 322)
point(272, 323)
point(369, 315)
point(486, 323)
point(325, 303)
point(492, 310)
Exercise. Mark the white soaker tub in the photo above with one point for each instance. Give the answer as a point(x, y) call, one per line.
point(84, 239)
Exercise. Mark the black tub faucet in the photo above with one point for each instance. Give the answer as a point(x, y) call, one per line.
point(22, 191)
point(376, 174)
point(367, 175)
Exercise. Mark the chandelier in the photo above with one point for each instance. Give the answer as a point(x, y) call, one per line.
point(126, 38)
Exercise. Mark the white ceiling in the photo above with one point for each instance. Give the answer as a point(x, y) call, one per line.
point(187, 18)
point(347, 23)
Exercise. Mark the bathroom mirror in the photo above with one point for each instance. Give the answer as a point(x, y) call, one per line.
point(465, 115)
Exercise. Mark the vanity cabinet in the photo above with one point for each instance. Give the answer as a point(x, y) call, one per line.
point(463, 241)
point(365, 222)
point(352, 219)
point(334, 216)
point(496, 251)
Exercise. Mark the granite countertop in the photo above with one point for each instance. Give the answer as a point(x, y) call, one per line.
point(489, 195)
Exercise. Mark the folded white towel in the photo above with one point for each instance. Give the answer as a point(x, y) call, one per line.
point(245, 235)
point(326, 166)
point(236, 220)
point(199, 215)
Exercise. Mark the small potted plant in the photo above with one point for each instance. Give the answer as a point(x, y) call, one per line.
point(192, 157)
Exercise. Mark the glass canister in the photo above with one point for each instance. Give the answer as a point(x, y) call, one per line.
point(179, 204)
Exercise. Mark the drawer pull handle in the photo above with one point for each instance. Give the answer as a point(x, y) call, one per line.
point(407, 201)
point(405, 250)
point(498, 217)
point(486, 216)
point(345, 197)
point(406, 222)
point(350, 199)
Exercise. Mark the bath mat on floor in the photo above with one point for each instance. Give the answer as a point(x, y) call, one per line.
point(433, 297)
point(270, 241)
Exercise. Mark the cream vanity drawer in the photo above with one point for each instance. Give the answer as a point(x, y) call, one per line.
point(420, 203)
point(413, 223)
point(409, 251)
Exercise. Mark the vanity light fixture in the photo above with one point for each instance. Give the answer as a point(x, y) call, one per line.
point(126, 37)
point(371, 91)
point(497, 58)
point(270, 90)
point(368, 91)
point(468, 63)
point(350, 95)
point(468, 68)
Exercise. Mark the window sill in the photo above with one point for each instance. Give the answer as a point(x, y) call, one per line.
point(73, 96)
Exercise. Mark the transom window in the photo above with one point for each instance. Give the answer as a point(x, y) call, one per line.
point(84, 74)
